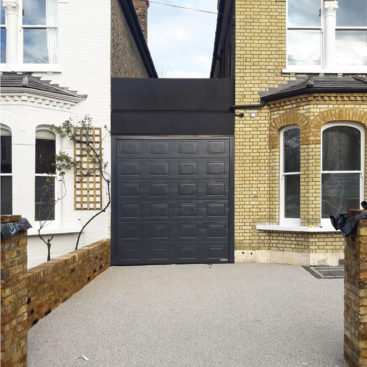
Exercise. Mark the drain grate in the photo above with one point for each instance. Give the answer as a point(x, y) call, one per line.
point(326, 272)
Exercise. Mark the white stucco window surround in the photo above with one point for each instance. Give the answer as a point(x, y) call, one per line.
point(326, 36)
point(29, 36)
point(342, 169)
point(290, 176)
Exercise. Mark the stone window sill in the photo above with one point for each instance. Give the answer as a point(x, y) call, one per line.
point(293, 228)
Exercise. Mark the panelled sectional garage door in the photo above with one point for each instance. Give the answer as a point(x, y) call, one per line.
point(172, 200)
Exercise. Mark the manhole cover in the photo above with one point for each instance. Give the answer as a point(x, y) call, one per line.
point(326, 272)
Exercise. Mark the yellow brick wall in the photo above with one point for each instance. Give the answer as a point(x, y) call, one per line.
point(260, 59)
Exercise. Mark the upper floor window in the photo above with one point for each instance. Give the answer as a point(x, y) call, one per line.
point(290, 175)
point(6, 171)
point(327, 35)
point(39, 31)
point(342, 168)
point(28, 32)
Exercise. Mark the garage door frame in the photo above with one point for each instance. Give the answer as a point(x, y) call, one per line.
point(114, 218)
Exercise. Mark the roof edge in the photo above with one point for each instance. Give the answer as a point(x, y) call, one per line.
point(308, 91)
point(133, 21)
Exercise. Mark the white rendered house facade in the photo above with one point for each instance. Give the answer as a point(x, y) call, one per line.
point(69, 44)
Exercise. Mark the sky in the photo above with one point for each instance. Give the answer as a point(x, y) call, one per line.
point(181, 41)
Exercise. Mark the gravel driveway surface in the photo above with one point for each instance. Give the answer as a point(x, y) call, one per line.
point(249, 315)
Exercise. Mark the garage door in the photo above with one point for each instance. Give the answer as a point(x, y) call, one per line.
point(172, 201)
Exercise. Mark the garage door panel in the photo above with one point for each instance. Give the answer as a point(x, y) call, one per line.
point(173, 231)
point(161, 210)
point(156, 190)
point(196, 148)
point(172, 200)
point(172, 169)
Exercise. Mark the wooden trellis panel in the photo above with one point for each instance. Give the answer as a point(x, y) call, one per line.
point(87, 174)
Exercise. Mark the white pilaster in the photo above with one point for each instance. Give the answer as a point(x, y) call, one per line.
point(329, 33)
point(11, 17)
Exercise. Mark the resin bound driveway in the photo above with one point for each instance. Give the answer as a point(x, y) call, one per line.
point(196, 315)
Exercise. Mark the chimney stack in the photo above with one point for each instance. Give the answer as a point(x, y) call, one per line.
point(141, 7)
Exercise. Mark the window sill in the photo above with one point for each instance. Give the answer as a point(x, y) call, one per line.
point(294, 228)
point(55, 230)
point(31, 68)
point(319, 70)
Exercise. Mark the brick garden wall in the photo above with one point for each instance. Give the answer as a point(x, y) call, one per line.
point(355, 297)
point(28, 296)
point(13, 298)
point(53, 282)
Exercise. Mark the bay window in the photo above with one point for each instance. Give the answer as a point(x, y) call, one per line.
point(45, 176)
point(6, 180)
point(290, 175)
point(328, 36)
point(342, 169)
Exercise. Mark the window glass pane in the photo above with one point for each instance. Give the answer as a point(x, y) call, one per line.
point(6, 195)
point(34, 12)
point(45, 156)
point(292, 196)
point(351, 13)
point(6, 154)
point(304, 47)
point(2, 45)
point(304, 13)
point(351, 47)
point(2, 13)
point(35, 46)
point(45, 198)
point(340, 192)
point(291, 150)
point(341, 149)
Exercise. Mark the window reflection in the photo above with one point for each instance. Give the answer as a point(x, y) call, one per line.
point(2, 13)
point(6, 180)
point(304, 47)
point(351, 13)
point(34, 12)
point(351, 47)
point(303, 13)
point(2, 45)
point(291, 172)
point(45, 178)
point(341, 152)
point(341, 149)
point(35, 46)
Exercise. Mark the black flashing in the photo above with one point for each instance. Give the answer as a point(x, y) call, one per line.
point(172, 107)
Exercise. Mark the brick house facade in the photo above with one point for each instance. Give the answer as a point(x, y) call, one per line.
point(300, 100)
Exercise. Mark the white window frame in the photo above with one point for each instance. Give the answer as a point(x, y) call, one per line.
point(282, 219)
point(325, 222)
point(322, 68)
point(57, 222)
point(4, 127)
point(16, 41)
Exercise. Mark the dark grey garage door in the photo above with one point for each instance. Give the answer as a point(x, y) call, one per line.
point(172, 201)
